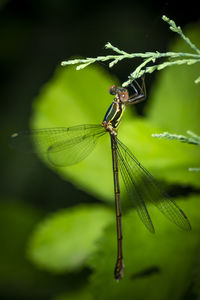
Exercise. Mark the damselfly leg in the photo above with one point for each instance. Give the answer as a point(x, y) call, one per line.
point(140, 92)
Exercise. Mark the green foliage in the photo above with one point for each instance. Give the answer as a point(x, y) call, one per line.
point(162, 158)
point(175, 107)
point(16, 222)
point(83, 294)
point(176, 104)
point(171, 252)
point(73, 98)
point(66, 239)
point(17, 274)
point(190, 139)
point(174, 58)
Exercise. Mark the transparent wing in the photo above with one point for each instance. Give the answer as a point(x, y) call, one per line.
point(63, 146)
point(132, 187)
point(143, 188)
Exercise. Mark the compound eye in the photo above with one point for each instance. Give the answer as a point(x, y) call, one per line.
point(112, 89)
point(124, 96)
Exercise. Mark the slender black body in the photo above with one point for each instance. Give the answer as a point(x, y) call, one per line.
point(111, 122)
point(119, 264)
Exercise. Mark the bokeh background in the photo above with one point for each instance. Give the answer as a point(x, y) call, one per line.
point(35, 37)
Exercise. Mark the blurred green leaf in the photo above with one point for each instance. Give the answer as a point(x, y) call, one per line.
point(16, 222)
point(174, 106)
point(175, 98)
point(65, 240)
point(73, 98)
point(166, 160)
point(196, 277)
point(170, 251)
point(83, 294)
point(18, 278)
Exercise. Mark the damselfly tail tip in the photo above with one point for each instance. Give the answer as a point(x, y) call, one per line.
point(119, 276)
point(119, 270)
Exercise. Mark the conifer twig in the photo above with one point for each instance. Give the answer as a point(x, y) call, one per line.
point(171, 58)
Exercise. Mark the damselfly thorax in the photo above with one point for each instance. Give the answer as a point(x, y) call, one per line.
point(116, 110)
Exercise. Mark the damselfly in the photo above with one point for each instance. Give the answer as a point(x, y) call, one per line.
point(66, 146)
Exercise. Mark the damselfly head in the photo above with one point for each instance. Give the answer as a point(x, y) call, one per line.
point(113, 89)
point(122, 93)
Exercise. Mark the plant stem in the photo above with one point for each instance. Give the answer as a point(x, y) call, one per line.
point(195, 139)
point(173, 58)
